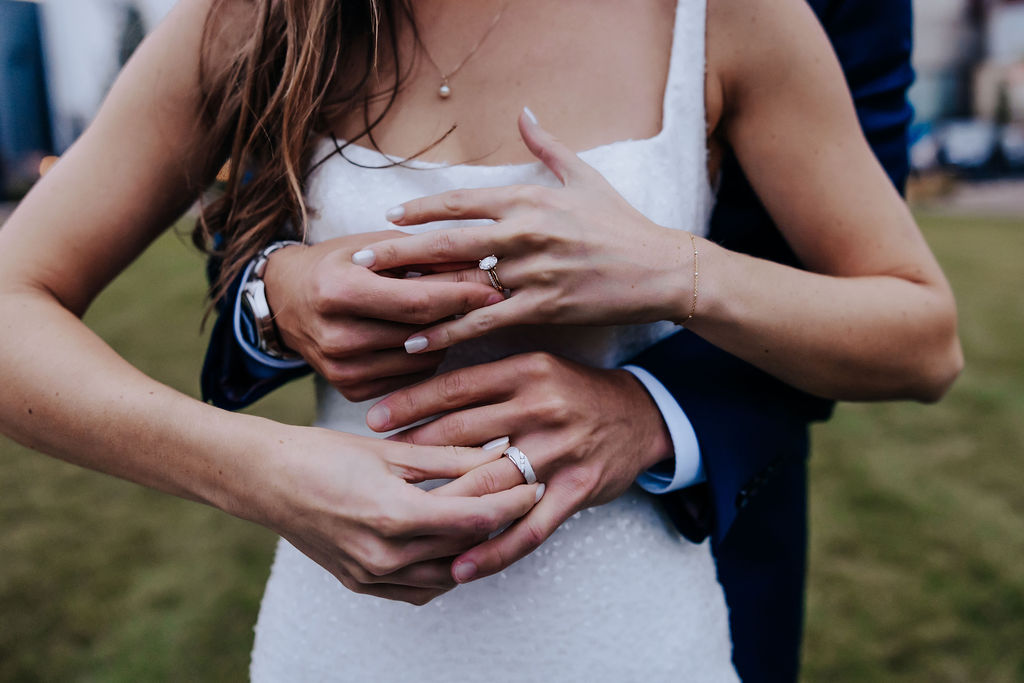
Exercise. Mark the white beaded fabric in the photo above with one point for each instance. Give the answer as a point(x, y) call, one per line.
point(616, 594)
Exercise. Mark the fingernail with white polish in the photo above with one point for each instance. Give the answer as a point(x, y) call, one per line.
point(530, 115)
point(416, 344)
point(364, 258)
point(540, 492)
point(496, 444)
point(409, 275)
point(464, 571)
point(395, 213)
point(378, 417)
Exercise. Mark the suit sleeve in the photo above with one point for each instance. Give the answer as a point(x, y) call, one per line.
point(232, 378)
point(747, 423)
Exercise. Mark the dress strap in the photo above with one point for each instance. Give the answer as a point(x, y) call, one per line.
point(684, 88)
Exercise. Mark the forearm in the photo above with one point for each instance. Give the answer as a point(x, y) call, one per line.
point(70, 395)
point(853, 338)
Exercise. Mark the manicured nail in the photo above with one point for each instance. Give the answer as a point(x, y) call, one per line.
point(364, 258)
point(530, 115)
point(378, 417)
point(494, 299)
point(540, 492)
point(464, 571)
point(412, 274)
point(395, 213)
point(416, 344)
point(501, 443)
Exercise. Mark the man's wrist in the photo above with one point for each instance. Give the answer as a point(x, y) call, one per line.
point(683, 464)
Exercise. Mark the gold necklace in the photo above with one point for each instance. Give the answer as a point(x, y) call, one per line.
point(445, 90)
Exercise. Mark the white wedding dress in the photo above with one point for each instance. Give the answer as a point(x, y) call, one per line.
point(616, 594)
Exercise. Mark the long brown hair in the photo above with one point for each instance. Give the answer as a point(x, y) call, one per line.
point(266, 106)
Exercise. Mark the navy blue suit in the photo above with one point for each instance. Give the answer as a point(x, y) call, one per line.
point(752, 428)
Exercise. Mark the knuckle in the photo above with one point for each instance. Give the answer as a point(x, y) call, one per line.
point(533, 535)
point(488, 481)
point(455, 201)
point(441, 245)
point(451, 387)
point(453, 427)
point(343, 374)
point(358, 392)
point(539, 365)
point(483, 523)
point(579, 480)
point(556, 409)
point(416, 307)
point(531, 195)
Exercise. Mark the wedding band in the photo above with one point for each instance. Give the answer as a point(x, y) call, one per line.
point(520, 460)
point(488, 265)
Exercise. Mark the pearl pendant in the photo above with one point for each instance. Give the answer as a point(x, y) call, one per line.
point(444, 91)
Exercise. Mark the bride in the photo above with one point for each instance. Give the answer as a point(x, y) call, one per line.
point(341, 117)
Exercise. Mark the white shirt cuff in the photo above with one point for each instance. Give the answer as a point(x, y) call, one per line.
point(250, 350)
point(689, 468)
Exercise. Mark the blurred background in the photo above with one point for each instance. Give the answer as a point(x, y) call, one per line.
point(917, 513)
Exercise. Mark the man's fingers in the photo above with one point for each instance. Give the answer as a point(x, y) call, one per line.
point(491, 477)
point(468, 427)
point(377, 365)
point(516, 542)
point(480, 384)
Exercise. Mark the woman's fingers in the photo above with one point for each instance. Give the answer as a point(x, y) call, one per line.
point(421, 303)
point(434, 573)
point(490, 203)
point(491, 477)
point(485, 383)
point(436, 246)
point(516, 542)
point(462, 516)
point(418, 463)
point(562, 161)
point(517, 310)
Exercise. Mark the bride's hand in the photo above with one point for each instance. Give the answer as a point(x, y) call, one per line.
point(587, 432)
point(577, 254)
point(349, 504)
point(350, 324)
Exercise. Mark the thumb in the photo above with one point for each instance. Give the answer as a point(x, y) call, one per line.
point(562, 161)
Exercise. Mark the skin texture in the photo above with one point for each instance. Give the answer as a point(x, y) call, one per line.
point(875, 319)
point(346, 501)
point(351, 324)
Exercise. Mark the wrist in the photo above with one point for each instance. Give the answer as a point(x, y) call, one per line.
point(654, 442)
point(256, 304)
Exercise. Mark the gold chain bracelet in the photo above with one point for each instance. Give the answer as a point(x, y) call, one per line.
point(693, 305)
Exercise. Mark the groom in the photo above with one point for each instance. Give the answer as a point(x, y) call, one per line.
point(751, 429)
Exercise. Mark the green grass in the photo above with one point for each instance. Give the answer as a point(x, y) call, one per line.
point(917, 513)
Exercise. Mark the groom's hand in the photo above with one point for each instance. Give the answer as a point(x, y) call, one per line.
point(350, 324)
point(587, 432)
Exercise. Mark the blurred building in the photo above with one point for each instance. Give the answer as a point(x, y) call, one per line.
point(969, 57)
point(24, 110)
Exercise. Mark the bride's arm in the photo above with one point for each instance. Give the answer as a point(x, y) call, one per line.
point(873, 318)
point(343, 500)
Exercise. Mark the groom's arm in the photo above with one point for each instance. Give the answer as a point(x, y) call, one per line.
point(747, 423)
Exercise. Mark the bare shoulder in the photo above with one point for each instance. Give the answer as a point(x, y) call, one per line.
point(761, 44)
